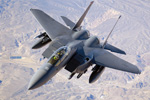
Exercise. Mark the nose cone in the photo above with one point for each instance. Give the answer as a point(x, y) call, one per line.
point(35, 81)
point(40, 77)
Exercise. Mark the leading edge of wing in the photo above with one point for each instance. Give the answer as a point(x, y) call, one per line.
point(51, 26)
point(104, 58)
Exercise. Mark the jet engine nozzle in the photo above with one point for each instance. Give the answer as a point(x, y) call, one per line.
point(97, 71)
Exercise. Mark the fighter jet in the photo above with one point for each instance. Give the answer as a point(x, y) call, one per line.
point(73, 49)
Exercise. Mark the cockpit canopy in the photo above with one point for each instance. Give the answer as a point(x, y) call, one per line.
point(58, 56)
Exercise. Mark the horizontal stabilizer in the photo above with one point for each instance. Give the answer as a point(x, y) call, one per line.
point(68, 22)
point(114, 49)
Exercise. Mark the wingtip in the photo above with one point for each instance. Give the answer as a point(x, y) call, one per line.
point(62, 16)
point(31, 9)
point(119, 16)
point(139, 72)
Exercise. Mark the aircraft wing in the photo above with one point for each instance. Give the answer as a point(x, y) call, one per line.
point(51, 26)
point(105, 58)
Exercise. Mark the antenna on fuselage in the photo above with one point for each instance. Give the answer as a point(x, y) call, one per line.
point(111, 32)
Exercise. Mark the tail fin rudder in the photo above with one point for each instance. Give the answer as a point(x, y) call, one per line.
point(82, 17)
point(110, 32)
point(68, 22)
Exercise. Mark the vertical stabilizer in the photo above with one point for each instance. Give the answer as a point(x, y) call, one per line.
point(82, 17)
point(68, 22)
point(110, 32)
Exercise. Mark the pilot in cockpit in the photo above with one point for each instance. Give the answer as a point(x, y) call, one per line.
point(57, 56)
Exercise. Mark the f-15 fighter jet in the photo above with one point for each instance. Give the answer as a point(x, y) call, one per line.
point(73, 49)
